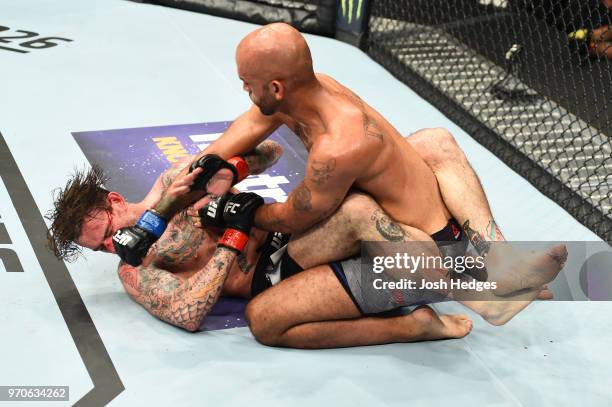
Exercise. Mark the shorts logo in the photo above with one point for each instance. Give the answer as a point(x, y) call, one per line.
point(122, 238)
point(277, 240)
point(456, 232)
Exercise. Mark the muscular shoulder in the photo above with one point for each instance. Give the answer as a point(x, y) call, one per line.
point(351, 135)
point(340, 155)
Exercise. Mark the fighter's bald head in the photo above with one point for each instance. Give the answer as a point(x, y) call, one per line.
point(275, 52)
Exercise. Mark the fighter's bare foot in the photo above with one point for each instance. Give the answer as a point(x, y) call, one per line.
point(514, 270)
point(545, 293)
point(440, 327)
point(499, 312)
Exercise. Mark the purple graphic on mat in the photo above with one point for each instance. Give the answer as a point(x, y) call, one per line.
point(135, 158)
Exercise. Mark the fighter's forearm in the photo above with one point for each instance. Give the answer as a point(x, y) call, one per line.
point(243, 135)
point(262, 157)
point(187, 305)
point(281, 217)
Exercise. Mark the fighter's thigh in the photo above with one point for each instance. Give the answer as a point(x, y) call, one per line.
point(338, 236)
point(310, 296)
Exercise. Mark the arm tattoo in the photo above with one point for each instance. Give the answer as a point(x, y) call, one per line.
point(129, 276)
point(478, 241)
point(371, 127)
point(387, 228)
point(322, 170)
point(243, 263)
point(180, 243)
point(265, 155)
point(168, 176)
point(185, 304)
point(302, 198)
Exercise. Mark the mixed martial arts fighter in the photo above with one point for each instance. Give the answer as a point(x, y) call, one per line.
point(425, 183)
point(188, 267)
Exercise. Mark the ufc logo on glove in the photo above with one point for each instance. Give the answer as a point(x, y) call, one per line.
point(122, 238)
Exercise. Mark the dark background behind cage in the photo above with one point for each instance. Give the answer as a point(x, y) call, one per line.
point(545, 112)
point(311, 16)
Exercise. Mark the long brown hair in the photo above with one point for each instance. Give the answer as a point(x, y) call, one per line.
point(82, 196)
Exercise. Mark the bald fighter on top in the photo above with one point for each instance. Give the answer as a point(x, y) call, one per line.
point(423, 183)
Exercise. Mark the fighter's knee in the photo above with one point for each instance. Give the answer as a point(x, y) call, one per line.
point(446, 145)
point(440, 147)
point(443, 136)
point(259, 324)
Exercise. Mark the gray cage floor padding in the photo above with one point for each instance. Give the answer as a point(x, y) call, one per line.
point(132, 65)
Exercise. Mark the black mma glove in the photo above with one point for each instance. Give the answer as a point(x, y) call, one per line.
point(133, 243)
point(239, 214)
point(212, 163)
point(212, 213)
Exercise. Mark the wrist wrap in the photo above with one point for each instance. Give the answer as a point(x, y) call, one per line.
point(234, 239)
point(153, 223)
point(241, 166)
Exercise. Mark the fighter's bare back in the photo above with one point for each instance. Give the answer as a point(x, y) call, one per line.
point(384, 165)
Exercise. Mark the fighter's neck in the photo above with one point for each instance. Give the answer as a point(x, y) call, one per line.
point(135, 210)
point(305, 108)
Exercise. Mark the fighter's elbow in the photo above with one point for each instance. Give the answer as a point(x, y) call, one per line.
point(295, 226)
point(190, 326)
point(273, 150)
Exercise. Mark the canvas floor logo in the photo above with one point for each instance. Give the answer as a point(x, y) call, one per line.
point(11, 234)
point(9, 260)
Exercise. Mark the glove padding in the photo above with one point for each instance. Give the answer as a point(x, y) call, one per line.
point(239, 214)
point(211, 215)
point(211, 164)
point(133, 243)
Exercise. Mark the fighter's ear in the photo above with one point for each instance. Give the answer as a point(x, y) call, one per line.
point(277, 89)
point(116, 200)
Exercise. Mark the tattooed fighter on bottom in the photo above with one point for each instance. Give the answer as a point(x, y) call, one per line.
point(424, 181)
point(217, 252)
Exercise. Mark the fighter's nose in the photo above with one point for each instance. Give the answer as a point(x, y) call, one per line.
point(108, 245)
